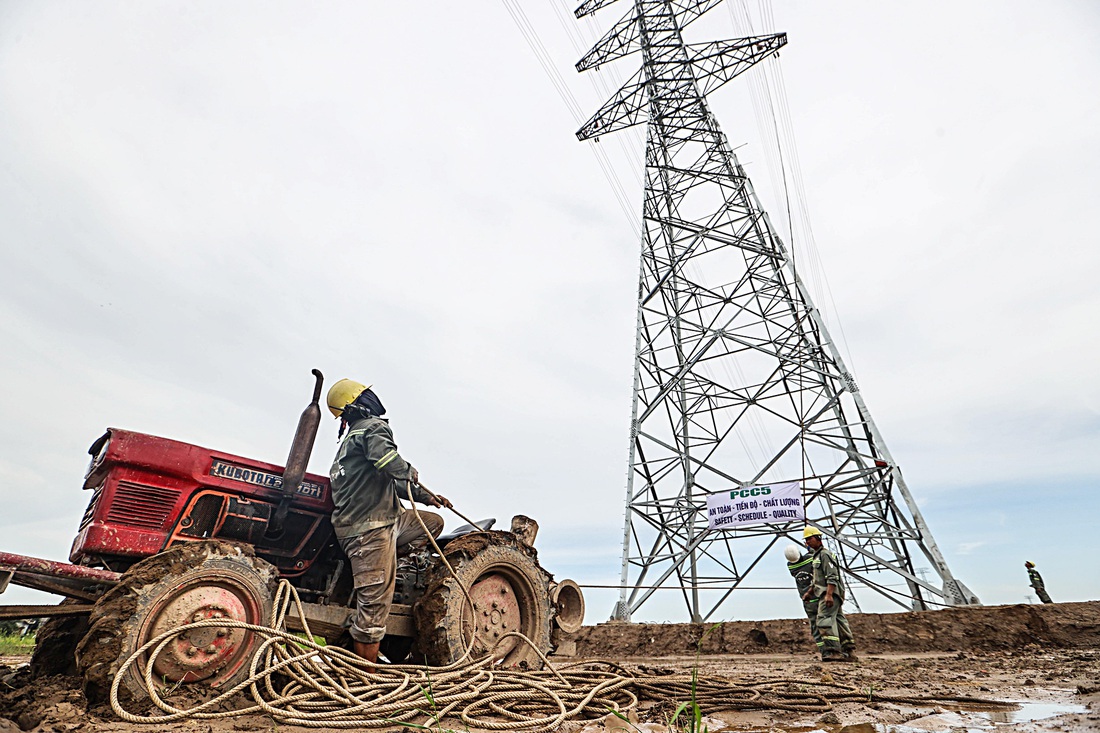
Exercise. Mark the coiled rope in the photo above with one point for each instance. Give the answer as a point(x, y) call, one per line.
point(299, 682)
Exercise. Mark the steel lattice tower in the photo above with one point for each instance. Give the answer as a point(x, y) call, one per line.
point(736, 381)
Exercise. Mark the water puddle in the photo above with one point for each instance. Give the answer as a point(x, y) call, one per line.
point(1032, 711)
point(970, 719)
point(957, 719)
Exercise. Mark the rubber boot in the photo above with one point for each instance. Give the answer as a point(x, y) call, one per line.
point(366, 651)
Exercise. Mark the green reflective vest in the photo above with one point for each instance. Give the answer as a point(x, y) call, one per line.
point(368, 475)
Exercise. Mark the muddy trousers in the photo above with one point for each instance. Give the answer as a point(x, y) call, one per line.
point(836, 634)
point(1042, 593)
point(373, 558)
point(810, 607)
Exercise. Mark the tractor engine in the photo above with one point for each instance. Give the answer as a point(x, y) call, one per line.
point(150, 494)
point(412, 576)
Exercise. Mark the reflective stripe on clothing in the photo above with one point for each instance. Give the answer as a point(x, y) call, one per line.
point(368, 478)
point(381, 462)
point(833, 626)
point(803, 573)
point(810, 607)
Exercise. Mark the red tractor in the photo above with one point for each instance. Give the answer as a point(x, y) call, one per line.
point(175, 533)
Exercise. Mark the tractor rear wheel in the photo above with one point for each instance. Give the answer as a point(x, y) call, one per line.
point(509, 590)
point(182, 585)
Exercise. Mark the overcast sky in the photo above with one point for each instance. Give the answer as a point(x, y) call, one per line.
point(201, 201)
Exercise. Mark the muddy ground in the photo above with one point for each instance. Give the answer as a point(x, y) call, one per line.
point(1046, 658)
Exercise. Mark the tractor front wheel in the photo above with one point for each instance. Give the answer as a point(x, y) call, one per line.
point(182, 585)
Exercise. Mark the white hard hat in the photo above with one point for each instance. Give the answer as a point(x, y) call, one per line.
point(792, 553)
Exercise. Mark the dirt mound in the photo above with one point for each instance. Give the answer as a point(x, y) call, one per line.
point(1059, 625)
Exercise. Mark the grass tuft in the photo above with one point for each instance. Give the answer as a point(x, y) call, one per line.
point(12, 645)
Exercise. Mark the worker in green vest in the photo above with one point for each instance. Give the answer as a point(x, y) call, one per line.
point(800, 567)
point(1036, 582)
point(828, 590)
point(369, 478)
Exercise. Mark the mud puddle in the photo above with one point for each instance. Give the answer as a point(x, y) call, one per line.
point(969, 719)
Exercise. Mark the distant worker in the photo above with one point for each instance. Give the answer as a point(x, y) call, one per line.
point(368, 477)
point(828, 589)
point(801, 569)
point(1037, 582)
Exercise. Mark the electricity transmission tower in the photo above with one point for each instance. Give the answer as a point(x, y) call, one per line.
point(737, 382)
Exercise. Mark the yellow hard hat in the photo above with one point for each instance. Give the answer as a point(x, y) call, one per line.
point(343, 393)
point(810, 532)
point(1029, 564)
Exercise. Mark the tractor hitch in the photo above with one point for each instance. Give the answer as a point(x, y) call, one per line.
point(62, 578)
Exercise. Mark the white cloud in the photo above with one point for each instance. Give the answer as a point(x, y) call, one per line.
point(966, 548)
point(199, 204)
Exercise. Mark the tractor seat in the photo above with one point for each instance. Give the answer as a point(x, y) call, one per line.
point(481, 526)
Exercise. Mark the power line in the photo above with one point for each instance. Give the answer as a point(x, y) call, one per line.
point(531, 36)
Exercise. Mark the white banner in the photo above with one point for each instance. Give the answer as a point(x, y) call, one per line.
point(772, 504)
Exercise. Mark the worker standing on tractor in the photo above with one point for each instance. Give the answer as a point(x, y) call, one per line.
point(1036, 582)
point(368, 478)
point(801, 569)
point(828, 590)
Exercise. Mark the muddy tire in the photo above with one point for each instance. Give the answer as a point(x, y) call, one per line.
point(176, 587)
point(55, 643)
point(510, 591)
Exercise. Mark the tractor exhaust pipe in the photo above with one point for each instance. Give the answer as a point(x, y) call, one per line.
point(300, 449)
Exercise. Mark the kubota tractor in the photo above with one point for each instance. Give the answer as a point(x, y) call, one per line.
point(175, 533)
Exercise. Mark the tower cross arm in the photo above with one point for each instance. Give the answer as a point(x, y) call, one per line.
point(626, 108)
point(591, 6)
point(624, 38)
point(717, 62)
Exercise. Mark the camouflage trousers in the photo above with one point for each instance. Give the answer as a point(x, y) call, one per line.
point(836, 634)
point(373, 558)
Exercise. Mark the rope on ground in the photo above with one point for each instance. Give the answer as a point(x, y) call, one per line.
point(299, 682)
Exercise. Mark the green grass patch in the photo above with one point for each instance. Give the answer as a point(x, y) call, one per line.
point(15, 645)
point(318, 640)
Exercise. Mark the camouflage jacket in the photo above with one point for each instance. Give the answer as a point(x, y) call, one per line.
point(368, 475)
